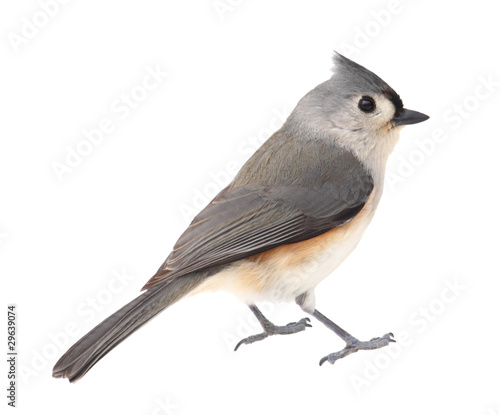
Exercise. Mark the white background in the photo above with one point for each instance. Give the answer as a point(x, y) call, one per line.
point(119, 211)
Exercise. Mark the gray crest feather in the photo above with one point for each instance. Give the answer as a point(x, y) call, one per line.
point(357, 79)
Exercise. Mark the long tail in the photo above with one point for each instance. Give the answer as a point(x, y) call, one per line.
point(87, 351)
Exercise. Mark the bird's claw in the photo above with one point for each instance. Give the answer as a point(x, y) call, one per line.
point(355, 345)
point(271, 329)
point(302, 322)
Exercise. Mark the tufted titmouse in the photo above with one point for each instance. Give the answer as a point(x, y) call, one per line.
point(293, 213)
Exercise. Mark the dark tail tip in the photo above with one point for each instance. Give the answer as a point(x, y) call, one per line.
point(91, 348)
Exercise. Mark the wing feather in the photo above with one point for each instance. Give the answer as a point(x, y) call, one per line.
point(268, 205)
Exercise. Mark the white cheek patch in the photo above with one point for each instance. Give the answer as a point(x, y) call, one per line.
point(385, 113)
point(386, 108)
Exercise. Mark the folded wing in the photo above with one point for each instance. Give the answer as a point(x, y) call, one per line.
point(292, 201)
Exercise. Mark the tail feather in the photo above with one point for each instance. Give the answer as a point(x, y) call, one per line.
point(87, 351)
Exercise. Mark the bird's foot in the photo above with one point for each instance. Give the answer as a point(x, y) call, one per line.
point(353, 345)
point(270, 329)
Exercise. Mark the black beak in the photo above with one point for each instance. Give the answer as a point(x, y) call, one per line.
point(405, 117)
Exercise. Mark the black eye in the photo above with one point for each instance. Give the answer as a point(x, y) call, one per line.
point(366, 104)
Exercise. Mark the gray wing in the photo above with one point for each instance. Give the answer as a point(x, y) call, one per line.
point(289, 191)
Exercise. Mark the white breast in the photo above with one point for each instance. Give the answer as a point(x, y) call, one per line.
point(283, 273)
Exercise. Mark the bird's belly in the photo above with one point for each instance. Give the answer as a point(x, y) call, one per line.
point(285, 272)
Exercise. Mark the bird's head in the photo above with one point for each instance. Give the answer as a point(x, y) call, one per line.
point(358, 110)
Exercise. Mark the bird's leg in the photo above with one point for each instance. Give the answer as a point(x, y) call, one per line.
point(270, 329)
point(352, 344)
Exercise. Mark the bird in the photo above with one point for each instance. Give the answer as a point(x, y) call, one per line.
point(291, 215)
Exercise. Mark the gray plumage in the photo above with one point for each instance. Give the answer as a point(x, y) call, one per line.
point(265, 207)
point(323, 169)
point(262, 208)
point(107, 335)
